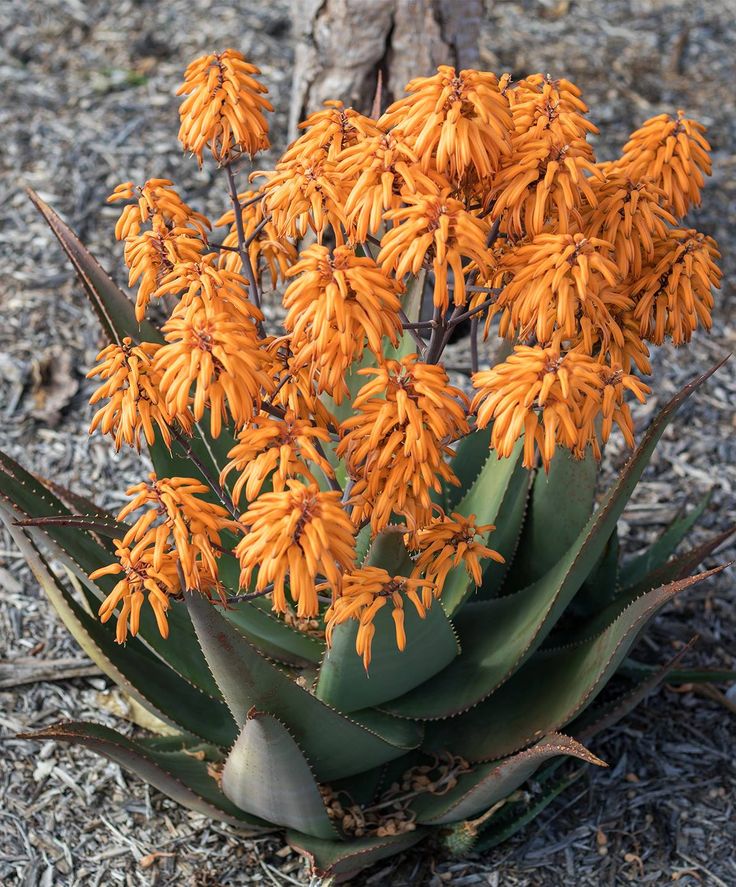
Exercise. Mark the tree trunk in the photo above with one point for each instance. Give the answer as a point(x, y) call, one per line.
point(342, 45)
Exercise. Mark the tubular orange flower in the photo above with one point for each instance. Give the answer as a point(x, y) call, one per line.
point(542, 105)
point(220, 357)
point(275, 448)
point(151, 255)
point(131, 384)
point(629, 216)
point(157, 200)
point(544, 175)
point(330, 131)
point(674, 153)
point(175, 512)
point(300, 194)
point(224, 108)
point(456, 122)
point(364, 592)
point(140, 578)
point(264, 242)
point(543, 182)
point(552, 398)
point(340, 303)
point(448, 542)
point(675, 293)
point(302, 534)
point(396, 442)
point(387, 169)
point(216, 288)
point(436, 229)
point(294, 384)
point(562, 285)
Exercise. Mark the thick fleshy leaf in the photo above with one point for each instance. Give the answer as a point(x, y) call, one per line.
point(114, 309)
point(343, 681)
point(551, 689)
point(559, 508)
point(335, 745)
point(177, 768)
point(348, 857)
point(471, 454)
point(485, 498)
point(489, 783)
point(505, 538)
point(273, 636)
point(635, 570)
point(600, 717)
point(497, 636)
point(599, 589)
point(134, 668)
point(267, 775)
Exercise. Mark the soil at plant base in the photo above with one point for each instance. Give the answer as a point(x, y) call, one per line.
point(87, 102)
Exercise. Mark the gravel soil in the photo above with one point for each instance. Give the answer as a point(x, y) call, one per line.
point(86, 101)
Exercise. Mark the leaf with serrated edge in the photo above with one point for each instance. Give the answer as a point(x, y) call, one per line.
point(509, 825)
point(559, 509)
point(552, 688)
point(335, 745)
point(343, 681)
point(635, 570)
point(177, 772)
point(348, 857)
point(490, 783)
point(267, 775)
point(598, 718)
point(497, 636)
point(136, 670)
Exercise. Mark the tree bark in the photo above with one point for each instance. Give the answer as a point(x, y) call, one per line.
point(342, 45)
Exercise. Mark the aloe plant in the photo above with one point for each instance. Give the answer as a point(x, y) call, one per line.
point(435, 741)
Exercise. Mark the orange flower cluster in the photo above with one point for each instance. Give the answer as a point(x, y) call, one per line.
point(224, 107)
point(364, 593)
point(177, 538)
point(396, 443)
point(131, 387)
point(301, 533)
point(483, 192)
point(553, 398)
point(176, 234)
point(339, 304)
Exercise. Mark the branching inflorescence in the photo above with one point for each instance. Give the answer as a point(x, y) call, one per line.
point(481, 192)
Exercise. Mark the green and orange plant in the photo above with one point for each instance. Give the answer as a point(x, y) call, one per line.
point(365, 600)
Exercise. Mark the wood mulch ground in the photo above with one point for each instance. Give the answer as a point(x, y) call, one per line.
point(86, 101)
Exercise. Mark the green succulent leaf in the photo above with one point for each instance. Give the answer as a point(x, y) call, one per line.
point(505, 538)
point(273, 636)
point(598, 718)
point(343, 681)
point(497, 636)
point(267, 775)
point(336, 746)
point(680, 566)
point(559, 509)
point(489, 783)
point(635, 570)
point(177, 768)
point(552, 688)
point(497, 482)
point(343, 858)
point(133, 667)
